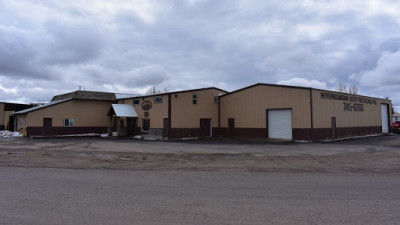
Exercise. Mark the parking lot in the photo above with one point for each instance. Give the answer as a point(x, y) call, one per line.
point(379, 154)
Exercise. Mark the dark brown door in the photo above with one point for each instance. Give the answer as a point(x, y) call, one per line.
point(205, 127)
point(333, 122)
point(47, 124)
point(231, 127)
point(130, 128)
point(165, 127)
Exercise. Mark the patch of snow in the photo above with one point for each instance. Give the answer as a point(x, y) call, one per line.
point(150, 139)
point(191, 138)
point(104, 135)
point(6, 134)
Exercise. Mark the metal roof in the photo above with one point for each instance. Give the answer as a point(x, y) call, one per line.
point(40, 106)
point(123, 96)
point(173, 92)
point(86, 95)
point(124, 110)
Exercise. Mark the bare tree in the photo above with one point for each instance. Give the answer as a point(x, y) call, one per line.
point(353, 90)
point(153, 90)
point(342, 87)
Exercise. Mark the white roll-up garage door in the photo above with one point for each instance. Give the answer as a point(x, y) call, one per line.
point(280, 124)
point(385, 118)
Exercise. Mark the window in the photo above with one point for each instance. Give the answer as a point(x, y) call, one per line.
point(215, 99)
point(136, 101)
point(122, 101)
point(158, 99)
point(145, 125)
point(68, 122)
point(26, 122)
point(194, 99)
point(20, 122)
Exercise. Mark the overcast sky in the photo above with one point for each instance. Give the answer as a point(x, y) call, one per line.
point(53, 47)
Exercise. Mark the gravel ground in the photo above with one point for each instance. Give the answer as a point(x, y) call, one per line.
point(379, 154)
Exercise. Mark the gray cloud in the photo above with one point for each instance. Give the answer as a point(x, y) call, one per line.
point(16, 52)
point(189, 44)
point(70, 44)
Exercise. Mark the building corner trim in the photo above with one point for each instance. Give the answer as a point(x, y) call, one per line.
point(219, 117)
point(169, 115)
point(312, 113)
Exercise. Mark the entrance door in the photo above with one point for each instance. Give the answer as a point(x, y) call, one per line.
point(131, 125)
point(205, 127)
point(280, 124)
point(165, 127)
point(231, 127)
point(11, 124)
point(47, 124)
point(385, 118)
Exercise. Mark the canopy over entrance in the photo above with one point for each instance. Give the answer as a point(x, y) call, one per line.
point(122, 110)
point(121, 126)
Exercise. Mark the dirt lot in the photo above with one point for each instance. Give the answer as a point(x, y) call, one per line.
point(366, 155)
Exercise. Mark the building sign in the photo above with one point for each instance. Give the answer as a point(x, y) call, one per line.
point(146, 105)
point(350, 103)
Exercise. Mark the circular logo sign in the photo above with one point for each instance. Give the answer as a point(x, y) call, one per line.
point(146, 105)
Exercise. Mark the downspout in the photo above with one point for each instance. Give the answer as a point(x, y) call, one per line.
point(312, 115)
point(169, 116)
point(219, 116)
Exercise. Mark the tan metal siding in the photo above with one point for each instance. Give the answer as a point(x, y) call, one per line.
point(84, 112)
point(7, 117)
point(187, 115)
point(21, 127)
point(2, 115)
point(157, 113)
point(325, 108)
point(126, 101)
point(249, 106)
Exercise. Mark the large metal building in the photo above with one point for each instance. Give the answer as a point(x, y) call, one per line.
point(72, 113)
point(181, 114)
point(288, 112)
point(7, 110)
point(262, 111)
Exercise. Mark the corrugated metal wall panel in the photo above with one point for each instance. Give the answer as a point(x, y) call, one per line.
point(187, 115)
point(249, 106)
point(20, 122)
point(325, 108)
point(2, 114)
point(84, 112)
point(157, 112)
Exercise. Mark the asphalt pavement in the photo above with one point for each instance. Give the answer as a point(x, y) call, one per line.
point(74, 196)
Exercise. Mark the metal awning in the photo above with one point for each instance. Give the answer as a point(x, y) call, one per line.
point(122, 110)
